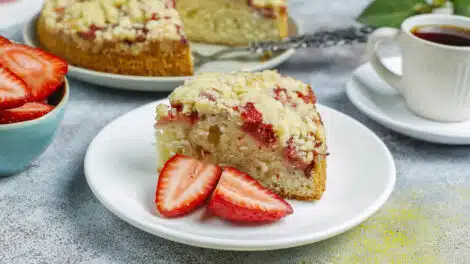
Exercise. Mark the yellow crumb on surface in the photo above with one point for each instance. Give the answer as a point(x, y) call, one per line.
point(400, 233)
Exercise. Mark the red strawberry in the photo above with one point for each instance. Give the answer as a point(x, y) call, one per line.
point(28, 111)
point(183, 185)
point(4, 40)
point(238, 197)
point(175, 115)
point(172, 117)
point(41, 71)
point(309, 98)
point(253, 124)
point(13, 91)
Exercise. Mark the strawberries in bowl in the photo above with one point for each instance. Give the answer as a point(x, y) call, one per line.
point(33, 95)
point(13, 90)
point(27, 75)
point(4, 40)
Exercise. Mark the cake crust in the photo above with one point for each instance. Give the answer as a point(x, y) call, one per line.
point(319, 177)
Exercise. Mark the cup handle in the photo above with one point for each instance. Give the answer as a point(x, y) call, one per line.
point(375, 39)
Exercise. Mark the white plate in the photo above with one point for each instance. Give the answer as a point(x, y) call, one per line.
point(158, 84)
point(17, 12)
point(120, 167)
point(375, 98)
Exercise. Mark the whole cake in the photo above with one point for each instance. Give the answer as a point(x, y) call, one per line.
point(147, 37)
point(117, 36)
point(264, 124)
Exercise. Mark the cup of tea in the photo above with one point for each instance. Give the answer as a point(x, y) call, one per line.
point(435, 50)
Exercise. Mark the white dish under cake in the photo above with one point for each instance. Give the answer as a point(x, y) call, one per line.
point(361, 176)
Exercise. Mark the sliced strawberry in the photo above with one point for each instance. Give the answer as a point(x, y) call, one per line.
point(40, 70)
point(28, 111)
point(13, 91)
point(238, 197)
point(4, 40)
point(183, 185)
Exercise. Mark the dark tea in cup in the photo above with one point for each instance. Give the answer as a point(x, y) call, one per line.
point(443, 34)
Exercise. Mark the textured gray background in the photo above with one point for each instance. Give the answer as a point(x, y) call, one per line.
point(49, 215)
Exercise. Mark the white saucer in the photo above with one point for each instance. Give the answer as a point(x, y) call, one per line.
point(158, 84)
point(120, 167)
point(18, 11)
point(375, 98)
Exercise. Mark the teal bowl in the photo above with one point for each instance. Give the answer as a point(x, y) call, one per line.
point(21, 143)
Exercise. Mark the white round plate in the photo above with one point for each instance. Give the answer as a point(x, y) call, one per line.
point(120, 167)
point(159, 84)
point(16, 12)
point(378, 100)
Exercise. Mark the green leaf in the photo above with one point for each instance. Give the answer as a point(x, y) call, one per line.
point(388, 13)
point(461, 7)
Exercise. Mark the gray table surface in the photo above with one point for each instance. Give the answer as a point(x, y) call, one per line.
point(49, 215)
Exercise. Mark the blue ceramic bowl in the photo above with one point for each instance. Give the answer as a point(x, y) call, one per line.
point(21, 143)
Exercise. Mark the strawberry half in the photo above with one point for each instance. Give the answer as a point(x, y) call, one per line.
point(13, 91)
point(4, 40)
point(28, 111)
point(238, 197)
point(183, 185)
point(40, 70)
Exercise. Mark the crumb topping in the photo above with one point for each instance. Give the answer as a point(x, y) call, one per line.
point(129, 22)
point(284, 105)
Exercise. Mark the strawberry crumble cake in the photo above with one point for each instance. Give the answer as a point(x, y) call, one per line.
point(129, 37)
point(150, 37)
point(263, 123)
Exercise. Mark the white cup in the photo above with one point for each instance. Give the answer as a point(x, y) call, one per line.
point(435, 80)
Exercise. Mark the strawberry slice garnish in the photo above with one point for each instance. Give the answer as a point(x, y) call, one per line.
point(238, 197)
point(183, 185)
point(42, 72)
point(13, 91)
point(28, 111)
point(4, 40)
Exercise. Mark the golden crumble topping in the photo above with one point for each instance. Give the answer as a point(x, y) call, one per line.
point(117, 21)
point(285, 104)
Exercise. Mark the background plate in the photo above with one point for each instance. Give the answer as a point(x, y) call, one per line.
point(16, 12)
point(158, 84)
point(120, 167)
